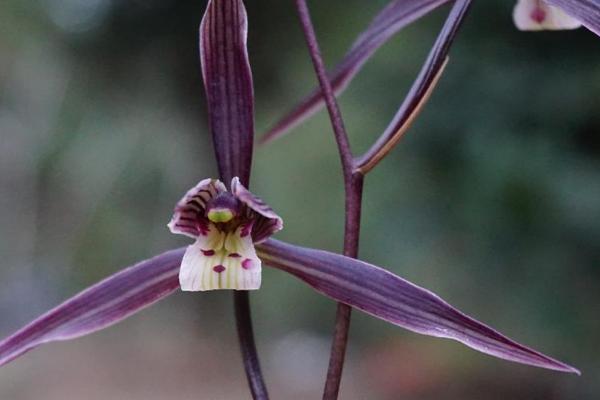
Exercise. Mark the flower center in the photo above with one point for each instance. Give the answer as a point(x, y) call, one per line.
point(220, 215)
point(223, 208)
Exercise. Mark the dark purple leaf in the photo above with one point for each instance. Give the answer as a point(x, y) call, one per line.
point(389, 21)
point(104, 304)
point(393, 299)
point(420, 90)
point(228, 84)
point(586, 11)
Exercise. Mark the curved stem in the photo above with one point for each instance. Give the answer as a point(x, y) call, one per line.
point(343, 312)
point(332, 107)
point(353, 184)
point(245, 332)
point(354, 170)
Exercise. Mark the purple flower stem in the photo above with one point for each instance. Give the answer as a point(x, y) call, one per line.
point(334, 112)
point(353, 173)
point(353, 186)
point(243, 319)
point(343, 312)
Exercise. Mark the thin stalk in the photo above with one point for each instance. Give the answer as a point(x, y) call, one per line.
point(245, 332)
point(343, 312)
point(353, 185)
point(354, 170)
point(337, 123)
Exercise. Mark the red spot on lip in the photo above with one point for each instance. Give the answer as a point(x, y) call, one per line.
point(208, 252)
point(219, 268)
point(247, 263)
point(234, 255)
point(538, 14)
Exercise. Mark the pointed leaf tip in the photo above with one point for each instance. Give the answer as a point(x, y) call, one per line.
point(100, 306)
point(386, 296)
point(228, 85)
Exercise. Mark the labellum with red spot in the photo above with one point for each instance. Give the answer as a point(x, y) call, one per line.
point(225, 224)
point(536, 15)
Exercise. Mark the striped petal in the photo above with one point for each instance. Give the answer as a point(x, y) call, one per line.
point(266, 221)
point(586, 11)
point(189, 216)
point(395, 300)
point(102, 305)
point(536, 15)
point(390, 20)
point(228, 85)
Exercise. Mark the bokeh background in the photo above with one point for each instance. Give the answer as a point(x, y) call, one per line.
point(492, 200)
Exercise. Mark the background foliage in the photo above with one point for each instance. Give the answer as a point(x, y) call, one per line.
point(492, 200)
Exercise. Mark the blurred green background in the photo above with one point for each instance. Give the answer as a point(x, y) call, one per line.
point(492, 200)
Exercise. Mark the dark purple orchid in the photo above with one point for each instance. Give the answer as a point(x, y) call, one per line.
point(231, 227)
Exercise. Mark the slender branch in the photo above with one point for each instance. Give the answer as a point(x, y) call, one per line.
point(245, 332)
point(332, 107)
point(343, 312)
point(353, 185)
point(354, 170)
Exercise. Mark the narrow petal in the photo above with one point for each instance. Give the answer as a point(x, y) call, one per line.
point(395, 300)
point(267, 221)
point(420, 90)
point(228, 85)
point(188, 218)
point(390, 20)
point(586, 11)
point(535, 15)
point(102, 305)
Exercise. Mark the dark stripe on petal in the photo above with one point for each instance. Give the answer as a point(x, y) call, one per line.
point(228, 85)
point(266, 221)
point(188, 217)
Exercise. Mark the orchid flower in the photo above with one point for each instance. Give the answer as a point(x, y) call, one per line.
point(226, 225)
point(231, 229)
